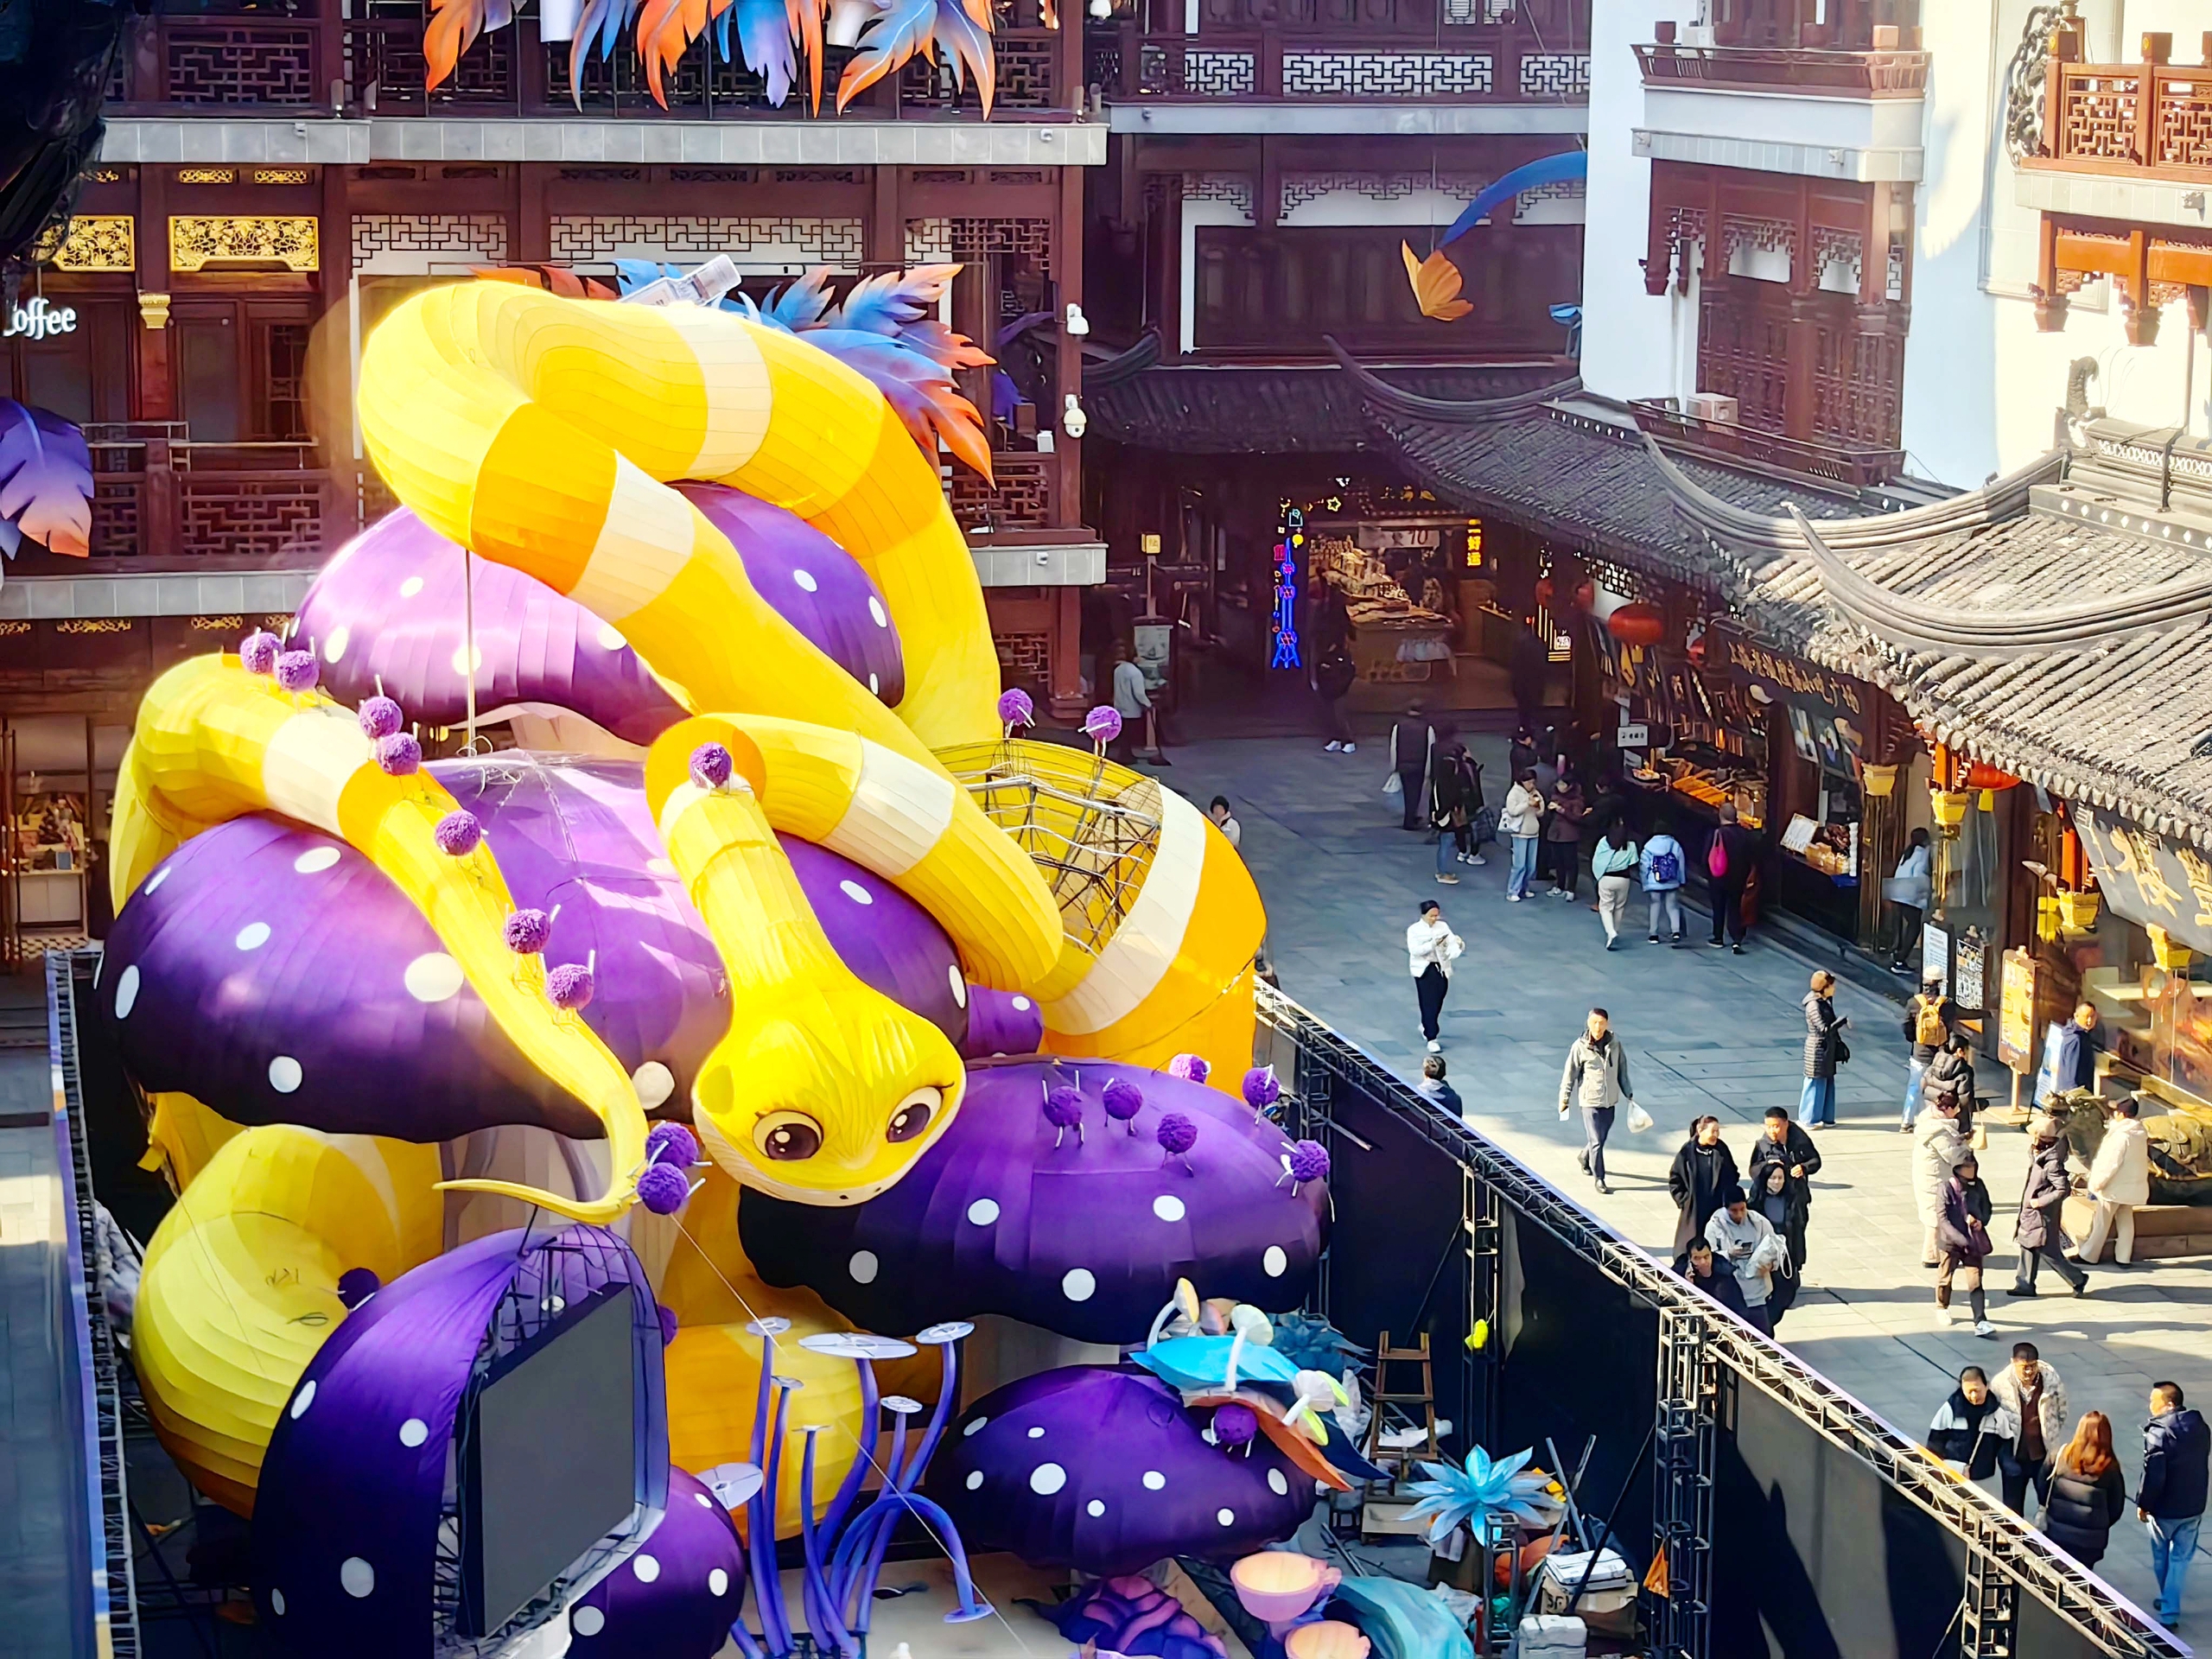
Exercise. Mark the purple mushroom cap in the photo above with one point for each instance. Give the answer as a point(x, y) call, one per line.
point(813, 584)
point(677, 1595)
point(673, 1145)
point(1261, 1088)
point(1177, 1133)
point(380, 717)
point(390, 608)
point(1087, 1240)
point(888, 941)
point(258, 651)
point(1122, 1099)
point(1002, 1023)
point(1191, 1066)
point(526, 931)
point(1015, 708)
point(296, 670)
point(399, 754)
point(1309, 1161)
point(711, 766)
point(1119, 1477)
point(1103, 724)
point(661, 1189)
point(571, 987)
point(1062, 1108)
point(457, 833)
point(1235, 1426)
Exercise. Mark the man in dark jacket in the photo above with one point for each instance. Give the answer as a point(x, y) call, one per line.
point(1716, 1279)
point(1411, 738)
point(1785, 1147)
point(2170, 1502)
point(1970, 1426)
point(1738, 850)
point(2036, 1229)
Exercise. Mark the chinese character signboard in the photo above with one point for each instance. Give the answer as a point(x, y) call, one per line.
point(2151, 879)
point(1782, 676)
point(2016, 1013)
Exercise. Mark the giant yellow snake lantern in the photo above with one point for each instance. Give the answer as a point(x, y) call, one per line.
point(778, 900)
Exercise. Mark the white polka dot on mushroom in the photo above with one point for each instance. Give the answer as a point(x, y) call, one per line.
point(610, 637)
point(1168, 1207)
point(587, 1621)
point(284, 1074)
point(303, 1400)
point(1281, 1486)
point(335, 647)
point(1022, 1005)
point(466, 661)
point(982, 1213)
point(702, 1500)
point(874, 686)
point(277, 1603)
point(1047, 1479)
point(647, 1568)
point(252, 936)
point(1037, 1433)
point(1154, 1480)
point(853, 891)
point(1078, 1284)
point(1094, 1508)
point(413, 1431)
point(959, 985)
point(718, 1583)
point(654, 1083)
point(975, 1479)
point(434, 977)
point(976, 1427)
point(126, 991)
point(1227, 1517)
point(875, 612)
point(315, 861)
point(356, 1577)
point(155, 880)
point(412, 587)
point(1275, 1263)
point(805, 580)
point(863, 1267)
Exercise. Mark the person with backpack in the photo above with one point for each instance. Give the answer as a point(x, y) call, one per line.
point(1927, 1027)
point(1728, 860)
point(1613, 861)
point(1452, 816)
point(1662, 868)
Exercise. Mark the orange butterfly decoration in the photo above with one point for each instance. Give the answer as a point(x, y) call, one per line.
point(1436, 285)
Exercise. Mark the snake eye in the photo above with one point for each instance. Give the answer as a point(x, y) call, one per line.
point(788, 1137)
point(913, 1114)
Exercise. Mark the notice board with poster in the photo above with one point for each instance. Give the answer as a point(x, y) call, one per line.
point(2015, 1012)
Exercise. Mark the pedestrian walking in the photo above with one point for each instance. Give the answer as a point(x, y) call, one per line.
point(1662, 868)
point(1432, 947)
point(1528, 664)
point(1523, 819)
point(2042, 1200)
point(1131, 701)
point(1784, 1162)
point(1596, 1079)
point(1411, 740)
point(1970, 1426)
point(1938, 1149)
point(1613, 862)
point(1482, 822)
point(2171, 1500)
point(1453, 815)
point(1746, 1241)
point(1225, 821)
point(1963, 1244)
point(1825, 1050)
point(1729, 857)
point(1908, 889)
point(1563, 833)
point(2070, 1048)
point(2087, 1492)
point(1927, 1028)
point(2033, 1392)
point(1432, 1086)
point(1951, 1072)
point(2120, 1178)
point(1703, 1173)
point(1716, 1279)
point(1333, 668)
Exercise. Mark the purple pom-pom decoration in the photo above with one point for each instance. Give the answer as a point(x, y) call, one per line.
point(1235, 1426)
point(1309, 1161)
point(258, 651)
point(1261, 1088)
point(357, 1284)
point(380, 717)
point(570, 986)
point(667, 1323)
point(1103, 724)
point(1189, 1067)
point(1016, 709)
point(1177, 1133)
point(663, 1189)
point(399, 754)
point(526, 931)
point(457, 833)
point(711, 766)
point(1124, 1100)
point(673, 1145)
point(296, 671)
point(1064, 1111)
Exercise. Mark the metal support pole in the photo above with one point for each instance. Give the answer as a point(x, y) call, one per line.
point(1689, 1391)
point(1987, 1617)
point(1482, 1213)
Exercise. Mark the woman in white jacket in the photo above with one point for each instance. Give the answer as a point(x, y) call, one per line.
point(1522, 818)
point(2120, 1178)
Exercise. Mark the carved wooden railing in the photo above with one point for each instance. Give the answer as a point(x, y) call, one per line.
point(2152, 118)
point(1458, 66)
point(212, 506)
point(1801, 69)
point(1842, 463)
point(1024, 495)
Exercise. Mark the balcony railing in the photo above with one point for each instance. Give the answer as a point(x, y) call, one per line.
point(1842, 463)
point(2152, 118)
point(1023, 496)
point(374, 65)
point(221, 506)
point(1819, 72)
point(1271, 64)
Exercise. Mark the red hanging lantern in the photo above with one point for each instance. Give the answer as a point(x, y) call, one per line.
point(1981, 775)
point(1637, 625)
point(1544, 594)
point(1586, 596)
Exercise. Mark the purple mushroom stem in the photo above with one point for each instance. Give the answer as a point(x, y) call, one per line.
point(850, 1487)
point(911, 1476)
point(761, 1522)
point(821, 1617)
point(767, 1582)
point(868, 1565)
point(743, 1638)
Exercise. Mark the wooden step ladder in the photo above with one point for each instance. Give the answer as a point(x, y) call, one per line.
point(1384, 1516)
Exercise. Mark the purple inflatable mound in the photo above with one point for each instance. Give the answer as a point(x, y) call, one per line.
point(1104, 1471)
point(1086, 1238)
point(814, 585)
point(389, 608)
point(1002, 1023)
point(1134, 1617)
point(885, 938)
point(678, 1593)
